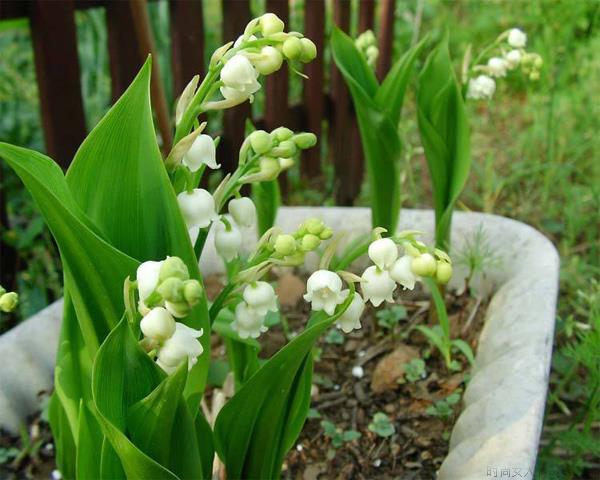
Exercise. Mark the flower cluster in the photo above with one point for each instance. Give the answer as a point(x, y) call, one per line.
point(261, 50)
point(8, 300)
point(367, 45)
point(379, 281)
point(166, 291)
point(511, 54)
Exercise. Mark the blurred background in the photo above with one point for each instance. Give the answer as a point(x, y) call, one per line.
point(534, 146)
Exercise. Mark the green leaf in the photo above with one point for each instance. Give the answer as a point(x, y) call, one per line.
point(90, 441)
point(258, 425)
point(64, 441)
point(444, 130)
point(465, 349)
point(380, 141)
point(267, 198)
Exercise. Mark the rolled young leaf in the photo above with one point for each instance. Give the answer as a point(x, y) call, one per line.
point(444, 130)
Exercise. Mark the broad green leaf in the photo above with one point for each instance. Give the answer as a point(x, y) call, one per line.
point(63, 438)
point(444, 130)
point(243, 360)
point(380, 141)
point(258, 425)
point(465, 349)
point(90, 440)
point(118, 178)
point(267, 198)
point(204, 435)
point(390, 95)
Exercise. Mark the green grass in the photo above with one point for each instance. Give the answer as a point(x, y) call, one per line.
point(534, 153)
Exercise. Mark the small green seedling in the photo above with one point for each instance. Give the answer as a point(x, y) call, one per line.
point(443, 408)
point(335, 337)
point(337, 435)
point(313, 413)
point(382, 426)
point(414, 371)
point(388, 318)
point(7, 454)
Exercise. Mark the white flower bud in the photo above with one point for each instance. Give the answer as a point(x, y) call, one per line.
point(309, 50)
point(271, 24)
point(424, 265)
point(243, 211)
point(201, 152)
point(292, 48)
point(383, 252)
point(513, 58)
point(377, 286)
point(248, 322)
point(147, 278)
point(158, 324)
point(269, 60)
point(197, 207)
point(261, 297)
point(401, 272)
point(517, 38)
point(350, 319)
point(228, 241)
point(324, 291)
point(482, 87)
point(182, 346)
point(497, 66)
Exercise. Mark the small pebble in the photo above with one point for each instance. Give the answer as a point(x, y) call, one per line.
point(362, 353)
point(336, 387)
point(358, 371)
point(56, 475)
point(377, 463)
point(299, 447)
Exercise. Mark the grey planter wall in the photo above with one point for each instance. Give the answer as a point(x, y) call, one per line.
point(498, 430)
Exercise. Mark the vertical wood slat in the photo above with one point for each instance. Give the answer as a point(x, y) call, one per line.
point(346, 156)
point(130, 41)
point(314, 28)
point(366, 15)
point(386, 36)
point(277, 110)
point(187, 42)
point(58, 77)
point(236, 14)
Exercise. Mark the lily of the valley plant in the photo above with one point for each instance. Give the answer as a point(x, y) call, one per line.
point(134, 352)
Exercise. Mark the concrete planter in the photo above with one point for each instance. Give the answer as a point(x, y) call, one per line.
point(496, 434)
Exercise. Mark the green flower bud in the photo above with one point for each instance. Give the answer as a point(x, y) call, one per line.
point(326, 234)
point(411, 250)
point(295, 259)
point(171, 289)
point(424, 265)
point(305, 140)
point(310, 242)
point(173, 267)
point(309, 50)
point(178, 309)
point(538, 61)
point(192, 292)
point(282, 133)
point(286, 148)
point(534, 76)
point(292, 48)
point(285, 244)
point(443, 272)
point(271, 24)
point(261, 141)
point(269, 168)
point(9, 301)
point(286, 163)
point(314, 226)
point(2, 291)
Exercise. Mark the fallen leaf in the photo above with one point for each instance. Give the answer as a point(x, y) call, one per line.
point(290, 289)
point(391, 368)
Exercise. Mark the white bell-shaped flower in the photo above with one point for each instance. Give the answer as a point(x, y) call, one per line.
point(481, 87)
point(350, 319)
point(517, 38)
point(147, 278)
point(513, 58)
point(324, 291)
point(248, 322)
point(202, 152)
point(197, 208)
point(228, 240)
point(377, 286)
point(383, 252)
point(497, 66)
point(261, 297)
point(243, 211)
point(183, 345)
point(239, 78)
point(401, 272)
point(158, 324)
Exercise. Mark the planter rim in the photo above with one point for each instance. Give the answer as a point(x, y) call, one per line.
point(499, 426)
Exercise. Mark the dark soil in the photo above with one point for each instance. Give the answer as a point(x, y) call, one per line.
point(414, 451)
